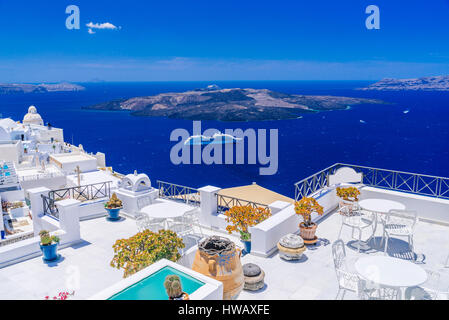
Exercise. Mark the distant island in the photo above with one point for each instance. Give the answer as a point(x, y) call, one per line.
point(8, 88)
point(438, 83)
point(234, 104)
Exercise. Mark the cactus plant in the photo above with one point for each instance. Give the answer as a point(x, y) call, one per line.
point(47, 239)
point(173, 286)
point(113, 202)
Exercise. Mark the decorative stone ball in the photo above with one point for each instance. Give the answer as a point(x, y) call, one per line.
point(251, 270)
point(291, 247)
point(292, 241)
point(254, 277)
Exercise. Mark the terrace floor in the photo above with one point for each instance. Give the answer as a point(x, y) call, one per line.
point(85, 267)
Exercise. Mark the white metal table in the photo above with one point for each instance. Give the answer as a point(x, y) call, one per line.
point(391, 272)
point(380, 206)
point(166, 210)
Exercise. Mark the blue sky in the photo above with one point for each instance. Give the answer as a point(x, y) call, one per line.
point(227, 40)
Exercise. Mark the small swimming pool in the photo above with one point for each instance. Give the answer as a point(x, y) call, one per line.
point(152, 287)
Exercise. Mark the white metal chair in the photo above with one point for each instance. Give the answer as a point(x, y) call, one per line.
point(371, 291)
point(192, 218)
point(143, 202)
point(400, 223)
point(435, 288)
point(356, 220)
point(347, 280)
point(181, 226)
point(144, 222)
point(141, 221)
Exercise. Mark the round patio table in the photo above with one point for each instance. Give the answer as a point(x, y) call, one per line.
point(391, 272)
point(380, 206)
point(166, 210)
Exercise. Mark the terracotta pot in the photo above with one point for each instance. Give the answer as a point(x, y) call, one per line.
point(224, 266)
point(307, 233)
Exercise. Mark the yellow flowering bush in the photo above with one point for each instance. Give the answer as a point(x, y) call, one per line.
point(145, 248)
point(348, 193)
point(305, 207)
point(243, 217)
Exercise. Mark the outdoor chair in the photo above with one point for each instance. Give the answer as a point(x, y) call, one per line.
point(140, 219)
point(357, 220)
point(144, 222)
point(347, 280)
point(192, 218)
point(181, 226)
point(400, 223)
point(435, 288)
point(371, 291)
point(143, 202)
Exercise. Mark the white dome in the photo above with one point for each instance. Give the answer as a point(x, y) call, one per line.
point(32, 117)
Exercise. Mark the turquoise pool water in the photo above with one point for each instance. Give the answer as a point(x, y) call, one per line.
point(152, 287)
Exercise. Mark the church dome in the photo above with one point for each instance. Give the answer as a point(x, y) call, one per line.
point(32, 117)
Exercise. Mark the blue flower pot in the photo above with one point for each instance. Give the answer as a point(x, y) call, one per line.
point(50, 252)
point(114, 214)
point(247, 246)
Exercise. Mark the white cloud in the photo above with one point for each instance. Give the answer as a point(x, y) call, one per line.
point(101, 26)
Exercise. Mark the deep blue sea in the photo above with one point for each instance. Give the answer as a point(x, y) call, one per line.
point(387, 138)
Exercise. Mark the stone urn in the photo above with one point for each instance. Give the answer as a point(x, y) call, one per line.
point(291, 247)
point(218, 258)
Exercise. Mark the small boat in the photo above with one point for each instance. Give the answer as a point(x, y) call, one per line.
point(406, 111)
point(362, 121)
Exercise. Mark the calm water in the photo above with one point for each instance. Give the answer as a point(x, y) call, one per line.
point(417, 141)
point(150, 287)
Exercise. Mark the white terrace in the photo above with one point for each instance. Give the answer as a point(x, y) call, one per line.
point(86, 246)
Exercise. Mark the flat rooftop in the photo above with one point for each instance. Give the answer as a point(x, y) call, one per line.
point(85, 266)
point(64, 158)
point(255, 193)
point(32, 171)
point(93, 177)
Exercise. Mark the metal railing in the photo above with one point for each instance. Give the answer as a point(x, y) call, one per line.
point(224, 203)
point(83, 193)
point(415, 183)
point(176, 192)
point(50, 208)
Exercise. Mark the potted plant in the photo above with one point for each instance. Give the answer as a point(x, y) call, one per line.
point(349, 196)
point(49, 245)
point(173, 288)
point(113, 207)
point(243, 217)
point(145, 248)
point(305, 207)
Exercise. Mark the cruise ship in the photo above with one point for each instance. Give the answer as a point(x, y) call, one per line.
point(350, 232)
